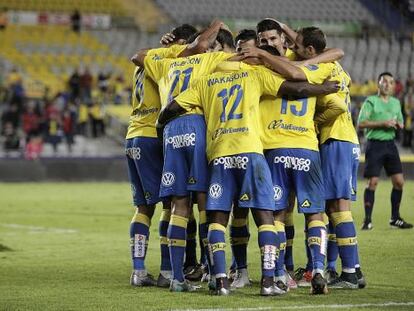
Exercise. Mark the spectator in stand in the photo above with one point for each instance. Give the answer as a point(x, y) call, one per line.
point(97, 113)
point(34, 148)
point(54, 132)
point(31, 121)
point(16, 89)
point(69, 125)
point(74, 84)
point(11, 115)
point(3, 19)
point(86, 81)
point(408, 103)
point(83, 118)
point(399, 89)
point(119, 90)
point(103, 82)
point(76, 20)
point(12, 139)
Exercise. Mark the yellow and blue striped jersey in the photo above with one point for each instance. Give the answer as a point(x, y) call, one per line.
point(342, 127)
point(174, 76)
point(145, 98)
point(230, 103)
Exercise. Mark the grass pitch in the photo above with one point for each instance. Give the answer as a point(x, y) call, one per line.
point(65, 246)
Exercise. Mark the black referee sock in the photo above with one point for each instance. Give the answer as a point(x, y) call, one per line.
point(369, 198)
point(395, 203)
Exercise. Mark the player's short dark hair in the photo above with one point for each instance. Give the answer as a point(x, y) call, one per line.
point(225, 38)
point(246, 35)
point(268, 24)
point(385, 73)
point(313, 36)
point(185, 31)
point(270, 49)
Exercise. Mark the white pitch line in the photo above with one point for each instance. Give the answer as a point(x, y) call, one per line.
point(298, 307)
point(39, 229)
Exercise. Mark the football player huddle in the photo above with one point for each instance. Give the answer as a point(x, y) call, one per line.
point(256, 122)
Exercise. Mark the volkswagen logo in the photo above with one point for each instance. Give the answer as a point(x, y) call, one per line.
point(215, 191)
point(168, 179)
point(278, 193)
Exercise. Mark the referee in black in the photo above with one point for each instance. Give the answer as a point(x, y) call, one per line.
point(381, 116)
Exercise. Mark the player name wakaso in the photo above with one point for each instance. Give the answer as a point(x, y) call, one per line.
point(227, 79)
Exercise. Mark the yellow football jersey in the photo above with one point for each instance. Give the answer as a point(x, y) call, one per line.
point(290, 54)
point(174, 76)
point(230, 102)
point(342, 127)
point(145, 109)
point(288, 123)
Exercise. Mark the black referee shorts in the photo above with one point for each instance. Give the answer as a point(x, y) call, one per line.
point(380, 154)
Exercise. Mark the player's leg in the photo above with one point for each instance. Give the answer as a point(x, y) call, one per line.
point(267, 238)
point(369, 199)
point(174, 185)
point(374, 161)
point(341, 218)
point(203, 232)
point(282, 188)
point(197, 179)
point(216, 236)
point(145, 196)
point(393, 168)
point(280, 273)
point(165, 276)
point(258, 194)
point(221, 191)
point(191, 262)
point(290, 235)
point(239, 238)
point(396, 195)
point(331, 254)
point(177, 236)
point(307, 177)
point(340, 189)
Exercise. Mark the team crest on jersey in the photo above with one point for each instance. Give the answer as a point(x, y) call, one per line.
point(312, 67)
point(215, 191)
point(277, 193)
point(192, 181)
point(306, 203)
point(168, 179)
point(245, 197)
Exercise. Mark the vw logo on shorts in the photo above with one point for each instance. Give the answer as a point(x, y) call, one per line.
point(215, 191)
point(278, 193)
point(168, 179)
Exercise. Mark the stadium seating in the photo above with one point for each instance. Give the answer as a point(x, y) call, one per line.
point(320, 10)
point(48, 55)
point(366, 59)
point(111, 7)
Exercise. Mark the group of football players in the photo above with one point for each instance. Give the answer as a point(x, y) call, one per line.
point(251, 123)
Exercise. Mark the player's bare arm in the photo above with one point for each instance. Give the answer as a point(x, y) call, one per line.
point(305, 89)
point(171, 111)
point(327, 56)
point(138, 58)
point(277, 63)
point(204, 40)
